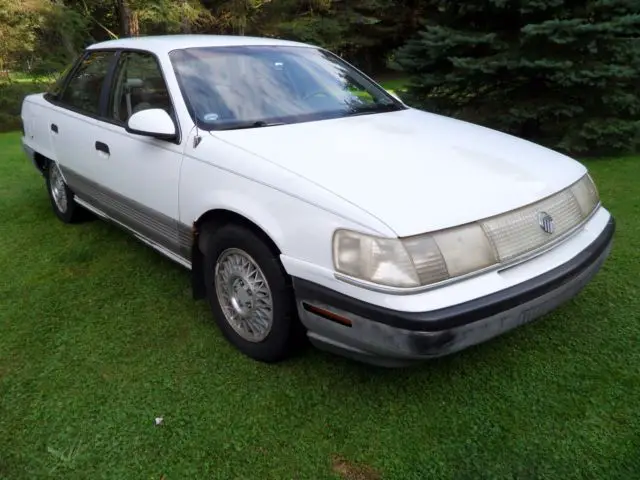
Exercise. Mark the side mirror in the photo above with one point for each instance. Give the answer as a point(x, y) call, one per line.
point(153, 122)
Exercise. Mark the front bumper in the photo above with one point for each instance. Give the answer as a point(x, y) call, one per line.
point(374, 334)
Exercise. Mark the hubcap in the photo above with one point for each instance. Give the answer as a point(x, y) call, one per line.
point(244, 295)
point(58, 190)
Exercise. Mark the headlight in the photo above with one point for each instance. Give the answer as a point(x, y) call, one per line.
point(379, 260)
point(414, 261)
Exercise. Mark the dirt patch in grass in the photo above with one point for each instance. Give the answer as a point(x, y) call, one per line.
point(351, 471)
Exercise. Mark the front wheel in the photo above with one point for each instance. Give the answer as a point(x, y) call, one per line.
point(61, 196)
point(250, 294)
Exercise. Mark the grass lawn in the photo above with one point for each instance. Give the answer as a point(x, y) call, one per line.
point(99, 335)
point(27, 77)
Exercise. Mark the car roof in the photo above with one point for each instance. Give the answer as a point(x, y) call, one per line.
point(161, 44)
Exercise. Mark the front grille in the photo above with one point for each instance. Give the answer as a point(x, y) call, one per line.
point(516, 233)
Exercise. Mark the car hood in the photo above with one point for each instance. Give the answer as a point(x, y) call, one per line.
point(415, 171)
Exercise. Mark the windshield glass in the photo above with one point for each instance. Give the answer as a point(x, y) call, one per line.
point(256, 86)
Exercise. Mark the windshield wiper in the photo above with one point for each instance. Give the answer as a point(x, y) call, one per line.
point(373, 108)
point(241, 125)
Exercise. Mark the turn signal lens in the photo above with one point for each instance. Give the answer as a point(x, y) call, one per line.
point(586, 194)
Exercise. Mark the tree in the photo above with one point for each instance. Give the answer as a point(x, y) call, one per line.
point(365, 32)
point(234, 16)
point(39, 35)
point(148, 17)
point(559, 72)
point(18, 37)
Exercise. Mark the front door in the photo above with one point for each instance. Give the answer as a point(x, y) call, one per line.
point(140, 175)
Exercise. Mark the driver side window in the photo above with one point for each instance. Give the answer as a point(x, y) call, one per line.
point(139, 85)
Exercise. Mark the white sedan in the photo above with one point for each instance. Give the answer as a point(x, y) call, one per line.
point(309, 202)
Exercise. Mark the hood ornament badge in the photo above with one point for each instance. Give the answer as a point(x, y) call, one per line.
point(546, 222)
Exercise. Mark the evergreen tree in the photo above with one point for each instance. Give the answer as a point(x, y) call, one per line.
point(564, 73)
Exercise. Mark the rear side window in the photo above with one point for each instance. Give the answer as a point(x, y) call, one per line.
point(85, 86)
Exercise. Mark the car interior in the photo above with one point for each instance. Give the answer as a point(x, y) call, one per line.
point(138, 89)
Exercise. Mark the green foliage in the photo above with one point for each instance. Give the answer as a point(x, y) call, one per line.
point(238, 15)
point(170, 16)
point(11, 96)
point(559, 74)
point(18, 31)
point(365, 32)
point(39, 36)
point(62, 35)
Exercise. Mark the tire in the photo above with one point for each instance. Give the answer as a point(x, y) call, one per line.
point(62, 197)
point(234, 256)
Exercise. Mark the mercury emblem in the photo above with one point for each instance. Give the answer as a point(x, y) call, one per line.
point(546, 222)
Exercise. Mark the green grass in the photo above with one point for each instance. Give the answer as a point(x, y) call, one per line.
point(99, 335)
point(20, 77)
point(395, 85)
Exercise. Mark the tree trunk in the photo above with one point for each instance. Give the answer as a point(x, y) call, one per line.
point(134, 24)
point(129, 24)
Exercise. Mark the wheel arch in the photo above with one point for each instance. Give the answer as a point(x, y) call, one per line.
point(207, 224)
point(41, 162)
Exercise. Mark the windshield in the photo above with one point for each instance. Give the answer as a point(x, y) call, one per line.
point(255, 86)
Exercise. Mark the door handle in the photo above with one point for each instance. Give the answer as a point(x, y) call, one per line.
point(102, 147)
point(54, 128)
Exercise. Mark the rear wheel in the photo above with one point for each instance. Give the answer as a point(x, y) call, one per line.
point(61, 196)
point(250, 294)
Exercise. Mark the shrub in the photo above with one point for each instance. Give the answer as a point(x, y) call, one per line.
point(11, 97)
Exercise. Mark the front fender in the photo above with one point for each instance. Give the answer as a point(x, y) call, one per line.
point(244, 205)
point(300, 229)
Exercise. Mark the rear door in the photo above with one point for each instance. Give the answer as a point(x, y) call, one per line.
point(73, 123)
